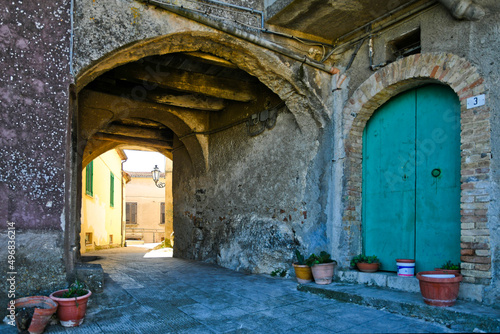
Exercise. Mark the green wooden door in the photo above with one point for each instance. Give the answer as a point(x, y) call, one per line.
point(411, 179)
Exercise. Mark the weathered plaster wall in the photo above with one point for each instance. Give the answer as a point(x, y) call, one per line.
point(34, 95)
point(98, 216)
point(257, 203)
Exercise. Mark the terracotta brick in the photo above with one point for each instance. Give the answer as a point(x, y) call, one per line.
point(434, 71)
point(476, 83)
point(467, 252)
point(475, 259)
point(474, 245)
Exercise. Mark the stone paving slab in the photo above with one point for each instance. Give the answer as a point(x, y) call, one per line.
point(169, 295)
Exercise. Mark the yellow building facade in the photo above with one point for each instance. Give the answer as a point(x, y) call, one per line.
point(149, 209)
point(102, 202)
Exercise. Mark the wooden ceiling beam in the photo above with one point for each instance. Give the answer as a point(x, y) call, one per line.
point(133, 140)
point(138, 132)
point(189, 101)
point(219, 87)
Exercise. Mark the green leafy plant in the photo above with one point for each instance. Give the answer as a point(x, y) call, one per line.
point(451, 266)
point(164, 244)
point(364, 259)
point(300, 258)
point(279, 272)
point(76, 289)
point(323, 257)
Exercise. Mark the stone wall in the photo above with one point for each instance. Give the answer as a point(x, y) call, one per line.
point(34, 99)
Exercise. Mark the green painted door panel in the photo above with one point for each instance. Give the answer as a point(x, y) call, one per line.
point(407, 211)
point(389, 182)
point(437, 196)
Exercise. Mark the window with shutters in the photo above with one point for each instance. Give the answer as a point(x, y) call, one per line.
point(89, 179)
point(162, 213)
point(111, 190)
point(131, 212)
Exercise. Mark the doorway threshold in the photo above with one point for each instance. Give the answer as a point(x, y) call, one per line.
point(472, 292)
point(380, 279)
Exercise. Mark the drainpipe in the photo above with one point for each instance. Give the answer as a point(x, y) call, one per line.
point(464, 9)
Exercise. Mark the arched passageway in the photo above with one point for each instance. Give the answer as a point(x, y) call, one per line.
point(187, 105)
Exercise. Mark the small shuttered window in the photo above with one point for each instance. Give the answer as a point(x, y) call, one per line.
point(89, 179)
point(111, 190)
point(131, 212)
point(162, 213)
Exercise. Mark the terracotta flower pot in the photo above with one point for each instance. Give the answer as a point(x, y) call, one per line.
point(303, 273)
point(439, 289)
point(71, 311)
point(44, 309)
point(323, 272)
point(367, 267)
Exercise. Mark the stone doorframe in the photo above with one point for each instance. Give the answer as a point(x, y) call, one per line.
point(461, 76)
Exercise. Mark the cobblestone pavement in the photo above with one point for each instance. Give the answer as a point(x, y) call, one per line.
point(169, 295)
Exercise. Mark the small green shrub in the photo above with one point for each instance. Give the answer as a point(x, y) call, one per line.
point(323, 257)
point(76, 289)
point(451, 266)
point(164, 244)
point(300, 257)
point(279, 272)
point(364, 259)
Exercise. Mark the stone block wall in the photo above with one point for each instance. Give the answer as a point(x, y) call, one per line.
point(34, 159)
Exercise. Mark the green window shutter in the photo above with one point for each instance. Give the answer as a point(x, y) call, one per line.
point(89, 181)
point(111, 190)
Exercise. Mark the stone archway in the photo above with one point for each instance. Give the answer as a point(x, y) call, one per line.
point(464, 79)
point(276, 74)
point(306, 111)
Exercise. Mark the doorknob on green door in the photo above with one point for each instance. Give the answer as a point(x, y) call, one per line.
point(436, 172)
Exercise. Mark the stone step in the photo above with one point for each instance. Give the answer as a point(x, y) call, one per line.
point(393, 281)
point(464, 316)
point(133, 242)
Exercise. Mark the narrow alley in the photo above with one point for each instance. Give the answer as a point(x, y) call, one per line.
point(170, 295)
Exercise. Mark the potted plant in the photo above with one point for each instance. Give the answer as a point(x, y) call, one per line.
point(72, 304)
point(322, 267)
point(32, 314)
point(368, 264)
point(438, 288)
point(302, 270)
point(449, 268)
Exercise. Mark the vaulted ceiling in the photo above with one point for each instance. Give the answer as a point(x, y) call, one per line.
point(192, 81)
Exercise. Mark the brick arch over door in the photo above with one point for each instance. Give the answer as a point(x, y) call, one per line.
point(461, 76)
